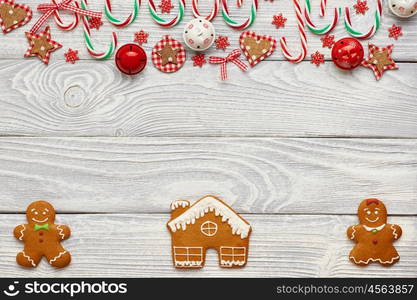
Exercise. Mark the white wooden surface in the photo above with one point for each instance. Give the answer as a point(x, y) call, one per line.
point(292, 147)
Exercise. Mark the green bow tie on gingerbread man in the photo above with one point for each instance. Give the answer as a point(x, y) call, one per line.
point(40, 227)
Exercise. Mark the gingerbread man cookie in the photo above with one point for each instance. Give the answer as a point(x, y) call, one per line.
point(42, 237)
point(373, 236)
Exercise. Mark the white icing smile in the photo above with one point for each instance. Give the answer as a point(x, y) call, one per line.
point(372, 221)
point(40, 221)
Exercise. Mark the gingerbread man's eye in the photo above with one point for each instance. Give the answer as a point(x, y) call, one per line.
point(44, 213)
point(36, 213)
point(368, 212)
point(376, 212)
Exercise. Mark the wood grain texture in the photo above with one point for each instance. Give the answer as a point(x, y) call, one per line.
point(307, 176)
point(139, 246)
point(14, 45)
point(273, 99)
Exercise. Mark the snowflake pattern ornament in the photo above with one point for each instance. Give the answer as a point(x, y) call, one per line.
point(95, 22)
point(71, 56)
point(166, 6)
point(141, 37)
point(199, 60)
point(279, 21)
point(327, 41)
point(222, 42)
point(317, 58)
point(41, 45)
point(379, 60)
point(395, 32)
point(361, 7)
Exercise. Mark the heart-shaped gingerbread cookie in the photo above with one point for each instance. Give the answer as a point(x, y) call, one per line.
point(13, 15)
point(256, 47)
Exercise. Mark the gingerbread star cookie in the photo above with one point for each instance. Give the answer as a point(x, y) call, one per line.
point(13, 15)
point(41, 45)
point(373, 236)
point(208, 223)
point(379, 60)
point(256, 47)
point(168, 55)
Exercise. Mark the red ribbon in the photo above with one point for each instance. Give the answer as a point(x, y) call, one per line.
point(222, 61)
point(53, 8)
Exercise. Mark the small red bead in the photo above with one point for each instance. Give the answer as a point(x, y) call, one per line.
point(347, 53)
point(130, 59)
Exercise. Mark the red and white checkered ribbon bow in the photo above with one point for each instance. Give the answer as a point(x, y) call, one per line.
point(53, 8)
point(222, 61)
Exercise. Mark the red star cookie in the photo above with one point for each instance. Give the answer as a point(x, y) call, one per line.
point(41, 45)
point(379, 60)
point(13, 15)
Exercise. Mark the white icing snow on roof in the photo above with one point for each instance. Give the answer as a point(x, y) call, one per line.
point(179, 203)
point(209, 204)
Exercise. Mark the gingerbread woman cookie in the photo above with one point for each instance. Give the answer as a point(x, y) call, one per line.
point(373, 236)
point(42, 237)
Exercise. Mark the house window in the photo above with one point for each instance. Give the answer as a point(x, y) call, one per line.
point(232, 256)
point(209, 228)
point(191, 257)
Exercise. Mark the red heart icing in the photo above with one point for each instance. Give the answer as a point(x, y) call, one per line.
point(13, 15)
point(256, 47)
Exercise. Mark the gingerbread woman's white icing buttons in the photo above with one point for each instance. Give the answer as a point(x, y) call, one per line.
point(199, 34)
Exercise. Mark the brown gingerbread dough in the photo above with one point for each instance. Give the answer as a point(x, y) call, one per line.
point(374, 238)
point(42, 237)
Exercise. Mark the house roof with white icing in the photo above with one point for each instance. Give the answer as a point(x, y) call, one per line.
point(205, 205)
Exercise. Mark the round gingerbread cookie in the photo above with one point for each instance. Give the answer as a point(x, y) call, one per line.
point(168, 55)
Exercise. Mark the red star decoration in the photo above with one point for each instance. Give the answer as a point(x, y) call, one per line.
point(379, 60)
point(317, 58)
point(361, 7)
point(327, 41)
point(199, 60)
point(71, 56)
point(222, 42)
point(41, 45)
point(166, 6)
point(279, 21)
point(141, 37)
point(395, 32)
point(95, 22)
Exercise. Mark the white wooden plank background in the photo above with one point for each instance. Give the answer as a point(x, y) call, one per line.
point(111, 152)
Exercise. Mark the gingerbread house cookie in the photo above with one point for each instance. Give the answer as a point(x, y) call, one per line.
point(208, 223)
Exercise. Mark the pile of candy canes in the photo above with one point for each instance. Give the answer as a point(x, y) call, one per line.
point(169, 55)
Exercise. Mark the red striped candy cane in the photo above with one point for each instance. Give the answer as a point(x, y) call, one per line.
point(320, 30)
point(364, 35)
point(119, 23)
point(303, 37)
point(323, 4)
point(213, 13)
point(232, 23)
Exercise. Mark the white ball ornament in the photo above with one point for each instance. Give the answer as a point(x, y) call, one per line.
point(199, 34)
point(403, 8)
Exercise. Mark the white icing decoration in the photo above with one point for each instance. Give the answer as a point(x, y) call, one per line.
point(179, 203)
point(394, 232)
point(56, 257)
point(29, 259)
point(375, 260)
point(379, 228)
point(188, 263)
point(353, 233)
point(21, 232)
point(238, 225)
point(60, 232)
point(230, 263)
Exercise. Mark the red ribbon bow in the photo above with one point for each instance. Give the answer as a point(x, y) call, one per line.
point(53, 8)
point(232, 57)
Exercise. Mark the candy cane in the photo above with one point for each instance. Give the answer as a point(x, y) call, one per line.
point(163, 22)
point(374, 28)
point(303, 37)
point(233, 23)
point(323, 30)
point(323, 4)
point(212, 14)
point(129, 20)
point(87, 38)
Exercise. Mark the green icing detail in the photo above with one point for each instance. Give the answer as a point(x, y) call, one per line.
point(39, 227)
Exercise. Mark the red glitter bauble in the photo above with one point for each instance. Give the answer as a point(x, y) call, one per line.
point(130, 59)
